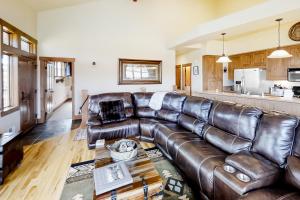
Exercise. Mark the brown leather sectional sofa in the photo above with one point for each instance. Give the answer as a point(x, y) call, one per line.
point(214, 143)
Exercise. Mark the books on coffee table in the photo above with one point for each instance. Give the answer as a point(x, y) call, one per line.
point(111, 177)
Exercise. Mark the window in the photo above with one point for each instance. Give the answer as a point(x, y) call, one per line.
point(27, 45)
point(6, 82)
point(9, 37)
point(139, 71)
point(59, 69)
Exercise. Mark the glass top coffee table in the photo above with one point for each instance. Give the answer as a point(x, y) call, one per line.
point(147, 183)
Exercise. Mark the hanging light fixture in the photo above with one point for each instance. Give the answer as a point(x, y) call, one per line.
point(223, 58)
point(279, 52)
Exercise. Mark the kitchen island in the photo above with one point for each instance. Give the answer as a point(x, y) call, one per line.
point(267, 103)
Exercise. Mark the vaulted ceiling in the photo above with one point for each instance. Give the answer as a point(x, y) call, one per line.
point(40, 5)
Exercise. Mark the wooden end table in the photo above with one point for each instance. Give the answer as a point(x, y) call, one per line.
point(146, 179)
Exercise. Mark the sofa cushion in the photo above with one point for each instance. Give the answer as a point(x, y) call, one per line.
point(173, 101)
point(141, 102)
point(225, 141)
point(147, 127)
point(192, 124)
point(235, 119)
point(275, 135)
point(171, 107)
point(197, 107)
point(125, 96)
point(198, 160)
point(112, 111)
point(195, 114)
point(124, 129)
point(165, 134)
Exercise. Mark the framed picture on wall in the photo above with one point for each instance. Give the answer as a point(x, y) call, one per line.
point(196, 70)
point(136, 72)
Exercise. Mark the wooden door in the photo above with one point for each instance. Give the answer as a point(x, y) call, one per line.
point(178, 77)
point(212, 74)
point(49, 108)
point(27, 93)
point(187, 82)
point(235, 64)
point(277, 67)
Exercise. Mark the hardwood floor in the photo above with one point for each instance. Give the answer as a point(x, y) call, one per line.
point(44, 168)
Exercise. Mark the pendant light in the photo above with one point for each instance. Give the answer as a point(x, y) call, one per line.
point(279, 52)
point(223, 58)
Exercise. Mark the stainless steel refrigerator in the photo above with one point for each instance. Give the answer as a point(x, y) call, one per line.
point(251, 80)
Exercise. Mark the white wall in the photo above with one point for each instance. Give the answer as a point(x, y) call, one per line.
point(103, 31)
point(20, 15)
point(194, 57)
point(61, 92)
point(23, 17)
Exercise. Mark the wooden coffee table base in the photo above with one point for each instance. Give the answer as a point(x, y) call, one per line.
point(146, 179)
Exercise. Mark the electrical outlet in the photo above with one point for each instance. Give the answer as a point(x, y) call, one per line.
point(12, 129)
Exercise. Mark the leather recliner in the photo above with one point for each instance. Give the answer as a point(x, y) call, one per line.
point(202, 136)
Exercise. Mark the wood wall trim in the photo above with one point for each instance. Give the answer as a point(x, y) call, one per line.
point(15, 29)
point(56, 59)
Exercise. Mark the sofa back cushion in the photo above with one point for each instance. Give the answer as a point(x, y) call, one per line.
point(275, 136)
point(195, 114)
point(232, 127)
point(171, 107)
point(141, 101)
point(94, 101)
point(235, 119)
point(197, 107)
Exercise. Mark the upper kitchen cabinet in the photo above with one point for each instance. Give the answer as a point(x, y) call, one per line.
point(259, 59)
point(245, 60)
point(277, 67)
point(295, 60)
point(212, 73)
point(235, 64)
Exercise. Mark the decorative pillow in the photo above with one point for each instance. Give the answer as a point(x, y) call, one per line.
point(112, 111)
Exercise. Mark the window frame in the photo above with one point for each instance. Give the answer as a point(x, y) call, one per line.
point(123, 62)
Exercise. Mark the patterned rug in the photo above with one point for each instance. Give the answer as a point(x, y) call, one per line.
point(79, 184)
point(81, 134)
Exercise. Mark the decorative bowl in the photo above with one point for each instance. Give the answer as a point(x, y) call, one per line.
point(123, 150)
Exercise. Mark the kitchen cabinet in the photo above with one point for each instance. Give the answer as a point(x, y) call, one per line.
point(295, 60)
point(277, 67)
point(259, 59)
point(235, 64)
point(212, 73)
point(246, 60)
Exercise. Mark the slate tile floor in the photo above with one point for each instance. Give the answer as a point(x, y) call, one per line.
point(50, 129)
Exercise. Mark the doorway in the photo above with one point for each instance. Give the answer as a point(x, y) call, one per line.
point(57, 89)
point(184, 79)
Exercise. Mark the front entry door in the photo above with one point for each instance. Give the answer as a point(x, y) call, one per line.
point(27, 93)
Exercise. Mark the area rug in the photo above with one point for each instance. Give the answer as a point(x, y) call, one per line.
point(79, 184)
point(81, 134)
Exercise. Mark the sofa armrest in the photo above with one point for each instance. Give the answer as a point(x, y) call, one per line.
point(93, 120)
point(292, 174)
point(245, 171)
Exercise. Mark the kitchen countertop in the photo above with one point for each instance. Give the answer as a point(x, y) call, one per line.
point(266, 97)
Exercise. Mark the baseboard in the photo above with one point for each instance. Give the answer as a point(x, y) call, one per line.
point(62, 103)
